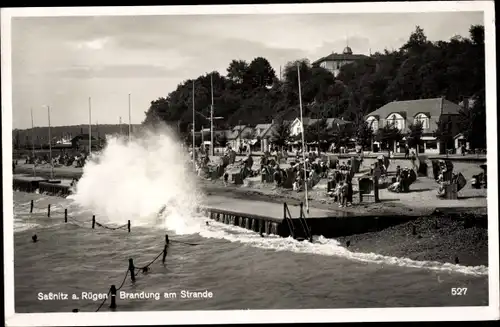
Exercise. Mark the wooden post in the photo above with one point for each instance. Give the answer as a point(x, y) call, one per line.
point(131, 268)
point(164, 253)
point(301, 209)
point(128, 226)
point(32, 205)
point(66, 215)
point(284, 210)
point(112, 290)
point(166, 239)
point(93, 221)
point(48, 210)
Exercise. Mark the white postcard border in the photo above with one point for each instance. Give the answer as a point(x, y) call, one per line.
point(254, 316)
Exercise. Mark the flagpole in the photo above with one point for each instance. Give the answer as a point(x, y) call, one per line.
point(303, 142)
point(212, 118)
point(50, 148)
point(90, 126)
point(33, 142)
point(194, 161)
point(129, 120)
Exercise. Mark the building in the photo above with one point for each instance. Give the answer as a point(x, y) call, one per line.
point(263, 132)
point(81, 142)
point(235, 137)
point(427, 111)
point(296, 129)
point(296, 125)
point(334, 61)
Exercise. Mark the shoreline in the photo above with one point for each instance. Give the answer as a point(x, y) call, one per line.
point(439, 236)
point(267, 193)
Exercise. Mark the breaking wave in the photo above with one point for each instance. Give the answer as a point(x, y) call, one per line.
point(150, 182)
point(136, 180)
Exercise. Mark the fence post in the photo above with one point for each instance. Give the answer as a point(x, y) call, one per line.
point(32, 205)
point(93, 221)
point(131, 268)
point(128, 225)
point(164, 253)
point(66, 215)
point(284, 210)
point(301, 209)
point(48, 211)
point(112, 290)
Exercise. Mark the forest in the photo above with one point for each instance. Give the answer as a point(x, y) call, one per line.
point(251, 92)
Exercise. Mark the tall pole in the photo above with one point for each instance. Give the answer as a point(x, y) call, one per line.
point(303, 142)
point(212, 117)
point(90, 126)
point(33, 142)
point(129, 119)
point(202, 139)
point(194, 161)
point(50, 147)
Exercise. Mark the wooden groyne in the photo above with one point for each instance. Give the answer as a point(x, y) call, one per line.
point(299, 227)
point(27, 184)
point(42, 185)
point(54, 188)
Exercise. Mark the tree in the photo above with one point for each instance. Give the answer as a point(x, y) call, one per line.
point(281, 134)
point(388, 135)
point(237, 71)
point(320, 133)
point(414, 138)
point(342, 134)
point(260, 73)
point(420, 69)
point(472, 123)
point(444, 133)
point(364, 134)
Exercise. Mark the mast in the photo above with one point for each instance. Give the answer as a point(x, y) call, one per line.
point(90, 126)
point(194, 161)
point(33, 142)
point(303, 142)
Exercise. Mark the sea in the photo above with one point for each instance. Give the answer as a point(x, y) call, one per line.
point(213, 266)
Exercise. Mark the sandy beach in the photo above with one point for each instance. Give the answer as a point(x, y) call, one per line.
point(450, 240)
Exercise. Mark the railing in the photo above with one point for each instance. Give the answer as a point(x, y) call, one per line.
point(306, 231)
point(303, 221)
point(132, 270)
point(288, 218)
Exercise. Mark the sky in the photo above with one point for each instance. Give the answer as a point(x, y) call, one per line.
point(62, 61)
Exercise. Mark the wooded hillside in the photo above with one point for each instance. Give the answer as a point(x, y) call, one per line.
point(252, 93)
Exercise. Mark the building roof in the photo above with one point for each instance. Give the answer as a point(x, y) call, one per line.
point(236, 131)
point(265, 129)
point(331, 122)
point(433, 108)
point(340, 57)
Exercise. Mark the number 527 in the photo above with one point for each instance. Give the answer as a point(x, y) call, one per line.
point(459, 291)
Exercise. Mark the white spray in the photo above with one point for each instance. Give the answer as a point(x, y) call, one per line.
point(135, 181)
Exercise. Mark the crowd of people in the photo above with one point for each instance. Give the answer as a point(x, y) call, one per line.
point(404, 178)
point(295, 173)
point(63, 158)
